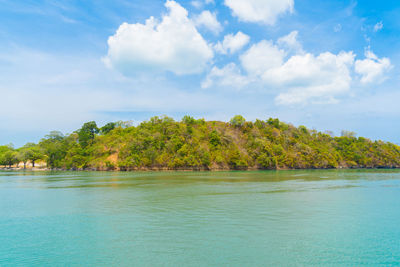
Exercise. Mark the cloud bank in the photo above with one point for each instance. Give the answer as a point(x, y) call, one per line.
point(299, 77)
point(282, 67)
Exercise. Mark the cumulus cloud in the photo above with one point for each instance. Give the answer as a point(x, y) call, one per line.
point(261, 57)
point(300, 76)
point(255, 61)
point(232, 43)
point(172, 44)
point(303, 76)
point(372, 68)
point(312, 78)
point(290, 43)
point(228, 76)
point(209, 21)
point(262, 11)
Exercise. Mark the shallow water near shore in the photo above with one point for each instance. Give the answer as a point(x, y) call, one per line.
point(250, 218)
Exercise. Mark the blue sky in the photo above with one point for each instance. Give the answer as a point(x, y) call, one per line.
point(329, 65)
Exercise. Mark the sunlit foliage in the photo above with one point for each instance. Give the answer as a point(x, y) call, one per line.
point(195, 144)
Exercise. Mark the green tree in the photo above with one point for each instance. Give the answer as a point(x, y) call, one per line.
point(215, 139)
point(54, 148)
point(87, 133)
point(237, 121)
point(108, 127)
point(274, 122)
point(10, 158)
point(35, 154)
point(188, 120)
point(23, 154)
point(6, 155)
point(30, 152)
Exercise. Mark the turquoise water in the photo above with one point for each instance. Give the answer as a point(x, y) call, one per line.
point(286, 218)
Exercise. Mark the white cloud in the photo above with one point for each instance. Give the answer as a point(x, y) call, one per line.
point(228, 76)
point(261, 57)
point(378, 26)
point(174, 44)
point(312, 78)
point(263, 11)
point(372, 68)
point(300, 77)
point(200, 4)
point(232, 43)
point(197, 4)
point(290, 43)
point(209, 21)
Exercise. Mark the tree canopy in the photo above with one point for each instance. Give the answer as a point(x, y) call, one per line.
point(163, 143)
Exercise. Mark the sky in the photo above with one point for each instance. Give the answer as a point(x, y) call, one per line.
point(329, 65)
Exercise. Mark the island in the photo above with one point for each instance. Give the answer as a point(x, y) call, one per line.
point(161, 143)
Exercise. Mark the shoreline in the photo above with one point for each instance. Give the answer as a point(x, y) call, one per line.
point(198, 169)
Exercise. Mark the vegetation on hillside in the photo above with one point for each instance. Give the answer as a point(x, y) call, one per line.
point(162, 143)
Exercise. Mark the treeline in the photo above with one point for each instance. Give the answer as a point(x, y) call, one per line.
point(196, 144)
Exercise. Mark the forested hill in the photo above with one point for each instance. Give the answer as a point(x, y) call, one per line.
point(162, 143)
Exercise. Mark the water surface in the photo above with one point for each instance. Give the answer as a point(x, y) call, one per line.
point(284, 218)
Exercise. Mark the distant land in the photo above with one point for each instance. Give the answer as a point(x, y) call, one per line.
point(161, 143)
